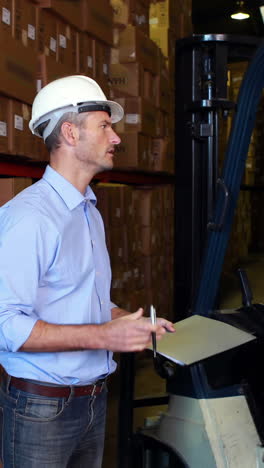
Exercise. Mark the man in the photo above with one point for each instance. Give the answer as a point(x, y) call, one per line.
point(58, 327)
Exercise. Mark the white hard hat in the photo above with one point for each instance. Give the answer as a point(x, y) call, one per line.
point(77, 93)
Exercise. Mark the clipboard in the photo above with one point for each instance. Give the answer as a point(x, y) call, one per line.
point(198, 337)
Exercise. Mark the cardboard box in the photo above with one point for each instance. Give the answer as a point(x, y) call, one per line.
point(11, 186)
point(4, 125)
point(133, 243)
point(102, 63)
point(139, 15)
point(140, 116)
point(146, 3)
point(30, 141)
point(118, 243)
point(150, 238)
point(128, 206)
point(133, 151)
point(164, 13)
point(86, 55)
point(17, 70)
point(159, 154)
point(34, 147)
point(99, 20)
point(6, 21)
point(164, 38)
point(72, 11)
point(49, 70)
point(164, 94)
point(135, 46)
point(118, 281)
point(18, 135)
point(151, 87)
point(116, 205)
point(38, 151)
point(47, 33)
point(130, 79)
point(127, 79)
point(101, 191)
point(138, 273)
point(114, 202)
point(136, 299)
point(63, 41)
point(25, 23)
point(161, 129)
point(114, 55)
point(151, 270)
point(150, 209)
point(185, 25)
point(134, 12)
point(120, 12)
point(67, 50)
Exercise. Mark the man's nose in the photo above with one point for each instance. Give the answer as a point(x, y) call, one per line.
point(115, 140)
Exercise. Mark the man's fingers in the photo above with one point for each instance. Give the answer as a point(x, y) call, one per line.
point(135, 315)
point(132, 332)
point(166, 324)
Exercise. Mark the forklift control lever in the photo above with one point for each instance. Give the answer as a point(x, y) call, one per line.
point(164, 368)
point(246, 289)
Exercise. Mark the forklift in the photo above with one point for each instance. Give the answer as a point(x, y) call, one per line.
point(215, 407)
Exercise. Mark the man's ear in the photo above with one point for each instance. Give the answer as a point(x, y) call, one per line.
point(70, 132)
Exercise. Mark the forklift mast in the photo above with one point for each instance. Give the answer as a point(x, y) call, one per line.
point(201, 100)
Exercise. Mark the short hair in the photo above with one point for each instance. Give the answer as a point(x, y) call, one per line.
point(53, 141)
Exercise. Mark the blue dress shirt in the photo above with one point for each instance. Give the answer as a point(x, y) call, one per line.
point(54, 266)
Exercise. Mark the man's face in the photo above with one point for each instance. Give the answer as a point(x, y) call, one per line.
point(97, 142)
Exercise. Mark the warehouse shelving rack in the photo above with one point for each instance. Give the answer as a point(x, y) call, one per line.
point(132, 176)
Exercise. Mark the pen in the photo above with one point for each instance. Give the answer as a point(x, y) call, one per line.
point(153, 334)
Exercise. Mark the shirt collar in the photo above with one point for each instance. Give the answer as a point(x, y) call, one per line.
point(69, 194)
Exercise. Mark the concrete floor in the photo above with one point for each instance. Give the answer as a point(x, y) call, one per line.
point(148, 383)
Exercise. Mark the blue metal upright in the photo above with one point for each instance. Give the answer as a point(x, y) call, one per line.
point(230, 180)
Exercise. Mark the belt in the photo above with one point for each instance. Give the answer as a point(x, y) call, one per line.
point(58, 391)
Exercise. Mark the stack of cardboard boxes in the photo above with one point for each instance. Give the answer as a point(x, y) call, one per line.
point(110, 41)
point(44, 40)
point(139, 232)
point(18, 78)
point(142, 75)
point(119, 43)
point(11, 186)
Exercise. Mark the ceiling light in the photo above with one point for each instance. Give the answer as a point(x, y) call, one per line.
point(240, 13)
point(261, 9)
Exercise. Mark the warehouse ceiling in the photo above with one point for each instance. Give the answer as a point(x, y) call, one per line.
point(213, 16)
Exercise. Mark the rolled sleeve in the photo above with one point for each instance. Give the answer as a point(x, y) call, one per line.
point(113, 305)
point(23, 260)
point(15, 329)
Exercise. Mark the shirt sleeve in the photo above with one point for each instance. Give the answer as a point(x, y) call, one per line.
point(113, 305)
point(25, 253)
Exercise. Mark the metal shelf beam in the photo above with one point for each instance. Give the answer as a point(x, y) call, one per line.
point(136, 177)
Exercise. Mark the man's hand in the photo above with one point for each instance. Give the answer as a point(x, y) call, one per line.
point(132, 332)
point(126, 333)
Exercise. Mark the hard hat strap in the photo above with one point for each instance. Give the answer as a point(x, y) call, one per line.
point(94, 107)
